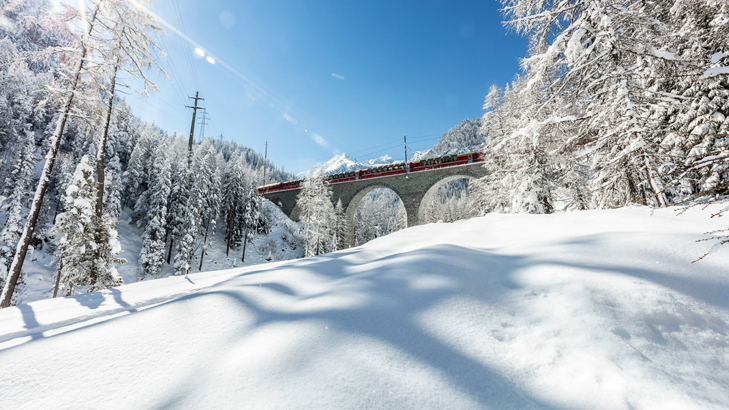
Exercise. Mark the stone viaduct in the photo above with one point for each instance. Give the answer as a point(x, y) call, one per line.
point(414, 189)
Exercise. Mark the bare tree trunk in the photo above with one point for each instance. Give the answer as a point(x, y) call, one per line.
point(245, 241)
point(660, 198)
point(55, 141)
point(169, 254)
point(58, 278)
point(101, 149)
point(55, 214)
point(204, 245)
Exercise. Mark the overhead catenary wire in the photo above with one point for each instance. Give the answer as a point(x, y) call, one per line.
point(388, 146)
point(412, 139)
point(395, 145)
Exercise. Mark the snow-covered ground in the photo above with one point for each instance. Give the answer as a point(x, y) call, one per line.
point(587, 310)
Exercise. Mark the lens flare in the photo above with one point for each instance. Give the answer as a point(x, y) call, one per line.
point(210, 60)
point(199, 51)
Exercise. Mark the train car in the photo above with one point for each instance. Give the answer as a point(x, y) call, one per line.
point(280, 186)
point(385, 170)
point(342, 177)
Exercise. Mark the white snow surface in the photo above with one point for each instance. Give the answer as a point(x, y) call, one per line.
point(584, 310)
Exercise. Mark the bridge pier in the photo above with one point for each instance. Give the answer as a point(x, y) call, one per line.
point(413, 189)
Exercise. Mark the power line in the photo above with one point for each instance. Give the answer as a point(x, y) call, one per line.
point(176, 80)
point(187, 46)
point(412, 139)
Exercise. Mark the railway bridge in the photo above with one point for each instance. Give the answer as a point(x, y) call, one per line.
point(415, 188)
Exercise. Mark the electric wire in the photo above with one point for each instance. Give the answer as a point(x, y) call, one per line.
point(191, 62)
point(177, 83)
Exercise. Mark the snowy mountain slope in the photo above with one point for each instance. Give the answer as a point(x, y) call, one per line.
point(461, 139)
point(588, 310)
point(345, 163)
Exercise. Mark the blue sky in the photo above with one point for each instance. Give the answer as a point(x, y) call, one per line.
point(316, 78)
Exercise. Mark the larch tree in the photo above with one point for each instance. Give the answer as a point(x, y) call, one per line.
point(71, 78)
point(125, 41)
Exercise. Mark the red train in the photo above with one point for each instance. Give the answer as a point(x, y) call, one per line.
point(386, 170)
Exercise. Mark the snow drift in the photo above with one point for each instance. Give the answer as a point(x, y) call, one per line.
point(587, 310)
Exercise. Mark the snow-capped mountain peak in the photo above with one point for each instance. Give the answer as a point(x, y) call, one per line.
point(345, 163)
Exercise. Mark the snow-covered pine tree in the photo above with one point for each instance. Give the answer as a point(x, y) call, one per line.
point(113, 188)
point(16, 105)
point(136, 176)
point(316, 213)
point(341, 227)
point(89, 249)
point(152, 255)
point(203, 174)
point(179, 194)
point(250, 216)
point(22, 177)
point(234, 199)
point(213, 166)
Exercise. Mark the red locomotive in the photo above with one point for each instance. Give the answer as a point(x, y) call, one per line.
point(383, 171)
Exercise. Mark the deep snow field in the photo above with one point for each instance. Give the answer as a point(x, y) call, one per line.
point(584, 310)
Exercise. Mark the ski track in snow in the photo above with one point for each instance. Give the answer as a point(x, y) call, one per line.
point(583, 310)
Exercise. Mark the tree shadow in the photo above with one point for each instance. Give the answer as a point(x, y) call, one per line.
point(398, 289)
point(391, 316)
point(30, 320)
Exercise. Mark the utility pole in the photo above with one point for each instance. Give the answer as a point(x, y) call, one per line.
point(405, 139)
point(265, 156)
point(192, 126)
point(203, 123)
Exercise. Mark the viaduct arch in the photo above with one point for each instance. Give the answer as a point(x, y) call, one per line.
point(414, 190)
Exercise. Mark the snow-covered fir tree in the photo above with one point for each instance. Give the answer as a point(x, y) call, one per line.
point(341, 227)
point(21, 176)
point(316, 214)
point(152, 255)
point(251, 217)
point(88, 251)
point(234, 202)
